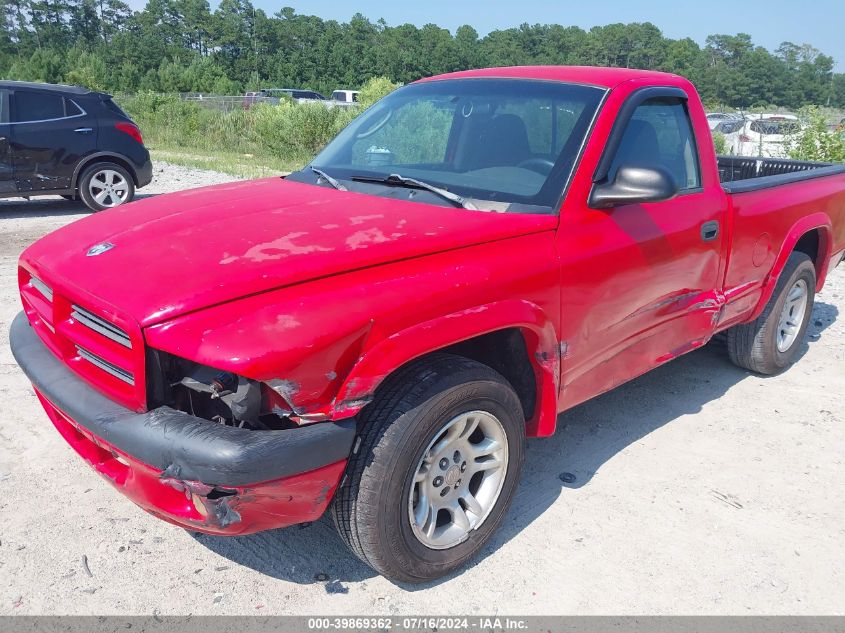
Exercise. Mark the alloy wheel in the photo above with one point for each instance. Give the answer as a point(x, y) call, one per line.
point(458, 479)
point(108, 188)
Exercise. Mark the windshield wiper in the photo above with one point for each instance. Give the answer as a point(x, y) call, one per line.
point(332, 181)
point(401, 181)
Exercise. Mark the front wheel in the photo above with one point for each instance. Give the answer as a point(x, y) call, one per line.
point(772, 342)
point(437, 463)
point(105, 185)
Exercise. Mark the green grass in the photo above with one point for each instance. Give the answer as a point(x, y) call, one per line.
point(261, 141)
point(245, 165)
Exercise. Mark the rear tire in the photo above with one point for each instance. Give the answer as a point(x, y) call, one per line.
point(105, 185)
point(391, 507)
point(772, 342)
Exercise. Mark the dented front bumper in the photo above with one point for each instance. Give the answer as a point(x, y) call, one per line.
point(186, 470)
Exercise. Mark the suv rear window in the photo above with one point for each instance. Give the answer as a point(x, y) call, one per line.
point(775, 126)
point(71, 109)
point(37, 106)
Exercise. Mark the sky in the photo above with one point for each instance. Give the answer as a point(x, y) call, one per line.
point(819, 22)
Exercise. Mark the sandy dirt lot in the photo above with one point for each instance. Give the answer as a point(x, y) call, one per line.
point(699, 488)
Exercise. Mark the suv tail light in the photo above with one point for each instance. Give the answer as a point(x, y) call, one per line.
point(744, 138)
point(131, 129)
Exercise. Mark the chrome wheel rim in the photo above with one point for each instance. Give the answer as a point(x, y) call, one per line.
point(458, 479)
point(792, 315)
point(108, 188)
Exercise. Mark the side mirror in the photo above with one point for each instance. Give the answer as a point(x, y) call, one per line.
point(634, 185)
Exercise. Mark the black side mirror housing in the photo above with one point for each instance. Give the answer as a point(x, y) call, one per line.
point(634, 185)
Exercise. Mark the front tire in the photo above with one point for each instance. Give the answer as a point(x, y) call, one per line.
point(434, 471)
point(772, 342)
point(106, 185)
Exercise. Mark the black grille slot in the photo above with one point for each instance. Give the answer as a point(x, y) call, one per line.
point(101, 325)
point(106, 366)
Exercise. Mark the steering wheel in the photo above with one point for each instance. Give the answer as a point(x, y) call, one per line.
point(540, 165)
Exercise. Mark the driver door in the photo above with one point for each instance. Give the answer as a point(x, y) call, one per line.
point(50, 135)
point(639, 280)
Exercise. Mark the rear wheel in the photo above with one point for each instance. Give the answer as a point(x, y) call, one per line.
point(437, 463)
point(105, 185)
point(772, 342)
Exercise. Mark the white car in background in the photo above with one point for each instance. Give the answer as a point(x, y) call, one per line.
point(729, 127)
point(345, 96)
point(714, 119)
point(764, 135)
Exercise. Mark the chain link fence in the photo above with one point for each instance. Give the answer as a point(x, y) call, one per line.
point(228, 103)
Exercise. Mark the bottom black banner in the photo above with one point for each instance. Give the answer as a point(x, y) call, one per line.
point(480, 623)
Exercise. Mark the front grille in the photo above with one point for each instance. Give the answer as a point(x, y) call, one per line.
point(101, 347)
point(106, 366)
point(102, 326)
point(43, 288)
point(38, 298)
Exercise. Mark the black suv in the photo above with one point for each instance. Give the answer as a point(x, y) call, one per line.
point(69, 141)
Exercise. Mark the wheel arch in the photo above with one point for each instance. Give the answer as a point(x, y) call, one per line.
point(811, 235)
point(516, 338)
point(103, 157)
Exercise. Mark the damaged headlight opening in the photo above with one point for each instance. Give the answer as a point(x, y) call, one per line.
point(216, 395)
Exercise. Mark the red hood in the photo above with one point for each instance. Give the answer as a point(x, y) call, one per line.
point(185, 251)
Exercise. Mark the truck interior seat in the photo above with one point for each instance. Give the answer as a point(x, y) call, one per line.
point(502, 141)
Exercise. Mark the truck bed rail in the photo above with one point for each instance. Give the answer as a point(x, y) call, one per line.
point(749, 173)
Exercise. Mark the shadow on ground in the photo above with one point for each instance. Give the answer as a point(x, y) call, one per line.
point(47, 207)
point(587, 437)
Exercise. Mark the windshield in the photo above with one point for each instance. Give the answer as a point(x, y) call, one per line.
point(504, 144)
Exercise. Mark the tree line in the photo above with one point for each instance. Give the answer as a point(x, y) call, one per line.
point(184, 46)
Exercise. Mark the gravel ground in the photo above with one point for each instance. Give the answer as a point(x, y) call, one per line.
point(699, 488)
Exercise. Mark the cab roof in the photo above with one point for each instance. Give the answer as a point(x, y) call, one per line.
point(590, 75)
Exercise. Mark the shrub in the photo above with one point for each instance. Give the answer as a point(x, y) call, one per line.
point(720, 143)
point(297, 129)
point(291, 131)
point(816, 141)
point(375, 89)
point(167, 117)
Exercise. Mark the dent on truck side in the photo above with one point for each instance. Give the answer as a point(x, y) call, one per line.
point(326, 345)
point(814, 222)
point(528, 318)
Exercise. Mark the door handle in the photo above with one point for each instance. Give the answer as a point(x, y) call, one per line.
point(710, 231)
point(83, 130)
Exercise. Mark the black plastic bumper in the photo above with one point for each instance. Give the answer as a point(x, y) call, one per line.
point(181, 445)
point(144, 172)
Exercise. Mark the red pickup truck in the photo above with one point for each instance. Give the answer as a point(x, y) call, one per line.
point(378, 333)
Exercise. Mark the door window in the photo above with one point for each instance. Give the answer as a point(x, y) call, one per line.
point(659, 135)
point(37, 106)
